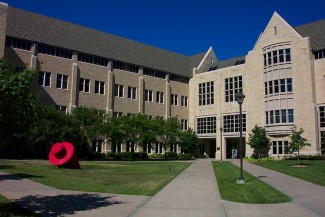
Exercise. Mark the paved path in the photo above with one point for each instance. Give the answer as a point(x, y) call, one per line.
point(193, 193)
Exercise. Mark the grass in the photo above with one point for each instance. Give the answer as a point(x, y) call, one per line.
point(253, 191)
point(314, 170)
point(8, 208)
point(134, 178)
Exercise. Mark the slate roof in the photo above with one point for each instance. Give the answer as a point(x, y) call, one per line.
point(225, 63)
point(316, 32)
point(35, 27)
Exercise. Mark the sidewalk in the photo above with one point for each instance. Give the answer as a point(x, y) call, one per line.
point(194, 193)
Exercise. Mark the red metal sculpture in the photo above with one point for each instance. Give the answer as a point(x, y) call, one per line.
point(62, 154)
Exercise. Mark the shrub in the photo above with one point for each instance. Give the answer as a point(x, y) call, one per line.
point(253, 160)
point(187, 156)
point(171, 155)
point(143, 156)
point(96, 156)
point(156, 156)
point(306, 157)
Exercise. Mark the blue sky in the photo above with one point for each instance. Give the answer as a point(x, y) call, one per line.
point(189, 27)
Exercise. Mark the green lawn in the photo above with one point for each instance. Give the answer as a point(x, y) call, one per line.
point(254, 191)
point(314, 170)
point(9, 209)
point(134, 178)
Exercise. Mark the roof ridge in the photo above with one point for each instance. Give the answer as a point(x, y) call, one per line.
point(97, 30)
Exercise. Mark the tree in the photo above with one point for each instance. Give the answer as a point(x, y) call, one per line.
point(18, 103)
point(167, 131)
point(188, 140)
point(52, 125)
point(259, 141)
point(91, 122)
point(297, 142)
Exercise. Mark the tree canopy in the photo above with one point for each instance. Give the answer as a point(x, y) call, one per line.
point(259, 141)
point(297, 142)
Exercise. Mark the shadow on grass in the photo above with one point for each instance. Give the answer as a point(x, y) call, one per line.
point(61, 205)
point(6, 167)
point(17, 176)
point(254, 178)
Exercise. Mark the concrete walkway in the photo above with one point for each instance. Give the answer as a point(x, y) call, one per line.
point(193, 193)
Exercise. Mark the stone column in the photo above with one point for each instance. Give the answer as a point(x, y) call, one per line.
point(168, 95)
point(73, 83)
point(110, 88)
point(3, 24)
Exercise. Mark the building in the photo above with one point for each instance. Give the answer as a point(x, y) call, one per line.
point(282, 78)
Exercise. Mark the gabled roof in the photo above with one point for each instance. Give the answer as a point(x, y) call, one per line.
point(316, 32)
point(225, 63)
point(39, 28)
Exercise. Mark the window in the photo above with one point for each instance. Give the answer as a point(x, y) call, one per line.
point(87, 58)
point(320, 54)
point(184, 124)
point(100, 87)
point(62, 81)
point(132, 92)
point(232, 86)
point(206, 93)
point(119, 90)
point(278, 86)
point(284, 116)
point(280, 147)
point(174, 99)
point(276, 54)
point(160, 97)
point(84, 85)
point(184, 101)
point(179, 78)
point(279, 116)
point(154, 73)
point(283, 85)
point(61, 108)
point(118, 65)
point(44, 79)
point(148, 96)
point(289, 84)
point(290, 115)
point(18, 43)
point(117, 114)
point(322, 116)
point(54, 51)
point(206, 125)
point(231, 123)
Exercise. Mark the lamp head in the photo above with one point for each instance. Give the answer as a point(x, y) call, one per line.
point(240, 97)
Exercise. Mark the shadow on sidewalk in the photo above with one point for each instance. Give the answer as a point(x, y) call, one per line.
point(17, 176)
point(60, 205)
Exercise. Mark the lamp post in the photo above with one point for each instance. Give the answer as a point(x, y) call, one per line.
point(221, 129)
point(240, 99)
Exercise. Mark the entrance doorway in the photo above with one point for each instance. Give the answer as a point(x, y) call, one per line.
point(232, 148)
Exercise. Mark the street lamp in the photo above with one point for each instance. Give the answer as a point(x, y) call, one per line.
point(221, 129)
point(240, 99)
